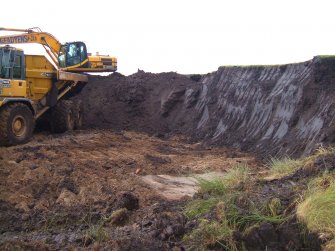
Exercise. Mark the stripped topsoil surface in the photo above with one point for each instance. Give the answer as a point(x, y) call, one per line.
point(104, 190)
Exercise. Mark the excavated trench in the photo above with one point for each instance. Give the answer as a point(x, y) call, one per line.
point(124, 181)
point(270, 110)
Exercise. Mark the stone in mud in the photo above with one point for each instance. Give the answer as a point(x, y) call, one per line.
point(127, 200)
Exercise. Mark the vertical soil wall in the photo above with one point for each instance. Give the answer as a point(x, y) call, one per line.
point(271, 110)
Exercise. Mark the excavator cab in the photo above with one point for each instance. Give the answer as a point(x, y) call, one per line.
point(72, 55)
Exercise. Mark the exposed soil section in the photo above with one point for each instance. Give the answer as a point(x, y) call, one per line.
point(123, 182)
point(83, 188)
point(288, 107)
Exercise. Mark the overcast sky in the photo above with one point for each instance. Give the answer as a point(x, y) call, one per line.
point(184, 36)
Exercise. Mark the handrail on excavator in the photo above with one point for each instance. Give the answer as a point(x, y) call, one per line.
point(21, 30)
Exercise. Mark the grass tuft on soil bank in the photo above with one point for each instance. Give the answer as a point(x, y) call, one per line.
point(199, 207)
point(282, 167)
point(279, 168)
point(219, 186)
point(317, 210)
point(235, 208)
point(211, 234)
point(223, 207)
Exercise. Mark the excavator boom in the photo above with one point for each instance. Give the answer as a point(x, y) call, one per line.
point(49, 42)
point(72, 57)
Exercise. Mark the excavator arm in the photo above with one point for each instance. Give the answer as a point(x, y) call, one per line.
point(71, 57)
point(49, 42)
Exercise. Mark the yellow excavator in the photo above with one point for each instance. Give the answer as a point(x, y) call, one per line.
point(31, 85)
point(69, 56)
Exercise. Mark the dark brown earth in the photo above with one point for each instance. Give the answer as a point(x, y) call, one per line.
point(270, 110)
point(85, 190)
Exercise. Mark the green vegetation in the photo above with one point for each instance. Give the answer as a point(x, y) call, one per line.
point(255, 218)
point(326, 56)
point(253, 215)
point(213, 187)
point(199, 207)
point(236, 202)
point(96, 233)
point(220, 186)
point(279, 168)
point(211, 234)
point(317, 210)
point(282, 167)
point(229, 209)
point(273, 206)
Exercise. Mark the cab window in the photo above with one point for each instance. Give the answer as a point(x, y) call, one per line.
point(17, 68)
point(72, 54)
point(5, 66)
point(11, 63)
point(61, 57)
point(83, 54)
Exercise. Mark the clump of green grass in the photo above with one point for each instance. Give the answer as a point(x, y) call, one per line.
point(214, 186)
point(255, 218)
point(236, 175)
point(317, 211)
point(199, 207)
point(242, 220)
point(231, 180)
point(327, 56)
point(210, 234)
point(282, 167)
point(279, 168)
point(273, 206)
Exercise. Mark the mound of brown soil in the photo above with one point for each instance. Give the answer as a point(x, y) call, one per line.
point(286, 109)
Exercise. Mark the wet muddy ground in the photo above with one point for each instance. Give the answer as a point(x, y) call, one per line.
point(122, 183)
point(100, 188)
